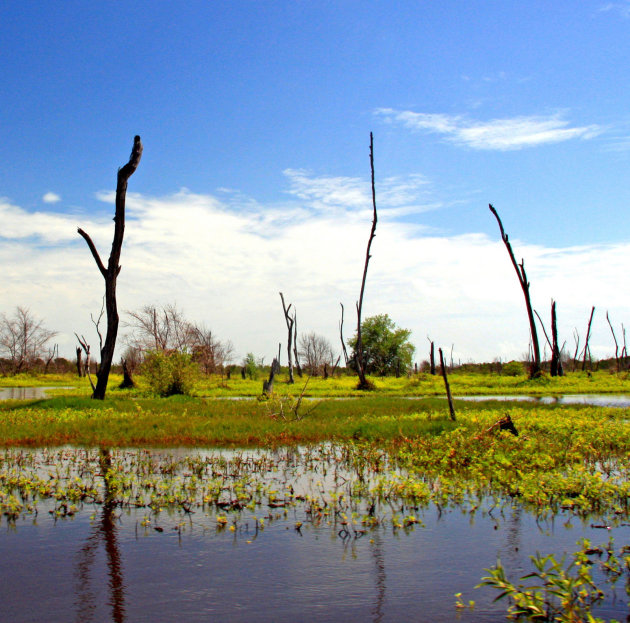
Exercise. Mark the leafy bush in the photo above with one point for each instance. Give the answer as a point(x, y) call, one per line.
point(251, 366)
point(170, 373)
point(513, 368)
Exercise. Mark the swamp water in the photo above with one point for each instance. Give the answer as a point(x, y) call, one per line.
point(305, 534)
point(26, 393)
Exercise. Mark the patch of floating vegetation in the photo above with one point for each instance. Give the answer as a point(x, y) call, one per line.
point(352, 486)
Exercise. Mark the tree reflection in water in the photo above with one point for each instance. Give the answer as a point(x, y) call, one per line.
point(104, 531)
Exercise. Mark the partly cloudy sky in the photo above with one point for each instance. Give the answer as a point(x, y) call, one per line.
point(255, 178)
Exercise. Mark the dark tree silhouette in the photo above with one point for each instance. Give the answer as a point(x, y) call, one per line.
point(534, 369)
point(360, 363)
point(110, 274)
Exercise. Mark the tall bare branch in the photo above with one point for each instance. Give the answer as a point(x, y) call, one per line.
point(110, 274)
point(522, 279)
point(363, 383)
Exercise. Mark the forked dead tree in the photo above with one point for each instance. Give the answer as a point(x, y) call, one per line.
point(534, 369)
point(360, 362)
point(588, 337)
point(111, 272)
point(290, 320)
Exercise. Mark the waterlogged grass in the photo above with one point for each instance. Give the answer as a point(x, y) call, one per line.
point(189, 421)
point(565, 458)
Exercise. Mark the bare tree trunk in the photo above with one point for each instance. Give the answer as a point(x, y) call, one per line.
point(535, 369)
point(432, 355)
point(576, 339)
point(79, 362)
point(451, 408)
point(363, 382)
point(268, 385)
point(335, 365)
point(127, 382)
point(556, 359)
point(343, 344)
point(110, 274)
point(298, 367)
point(290, 321)
point(555, 365)
point(86, 369)
point(51, 355)
point(588, 335)
point(616, 344)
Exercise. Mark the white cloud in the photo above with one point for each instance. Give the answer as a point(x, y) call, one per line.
point(224, 266)
point(496, 134)
point(51, 197)
point(623, 8)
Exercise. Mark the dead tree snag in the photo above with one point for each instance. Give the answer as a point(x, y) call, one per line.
point(616, 343)
point(360, 362)
point(588, 337)
point(110, 274)
point(451, 408)
point(343, 344)
point(290, 322)
point(535, 369)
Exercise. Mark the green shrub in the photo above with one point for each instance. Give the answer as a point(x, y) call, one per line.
point(170, 373)
point(513, 368)
point(251, 367)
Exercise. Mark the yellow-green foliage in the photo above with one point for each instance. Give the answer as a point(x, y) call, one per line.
point(462, 384)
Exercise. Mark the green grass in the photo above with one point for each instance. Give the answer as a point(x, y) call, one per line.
point(462, 384)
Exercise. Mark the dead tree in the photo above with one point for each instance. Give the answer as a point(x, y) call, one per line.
point(555, 365)
point(556, 357)
point(360, 362)
point(290, 322)
point(52, 354)
point(80, 370)
point(298, 366)
point(86, 349)
point(616, 343)
point(588, 335)
point(127, 382)
point(451, 408)
point(343, 344)
point(576, 339)
point(432, 355)
point(268, 385)
point(111, 272)
point(534, 369)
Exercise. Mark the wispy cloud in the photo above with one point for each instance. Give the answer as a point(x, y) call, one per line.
point(51, 197)
point(496, 134)
point(623, 8)
point(397, 195)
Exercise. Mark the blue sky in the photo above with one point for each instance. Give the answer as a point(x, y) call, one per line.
point(255, 117)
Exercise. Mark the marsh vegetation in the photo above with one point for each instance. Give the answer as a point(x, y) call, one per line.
point(359, 471)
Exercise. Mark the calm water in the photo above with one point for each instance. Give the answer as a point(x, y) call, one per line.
point(25, 393)
point(596, 400)
point(102, 564)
